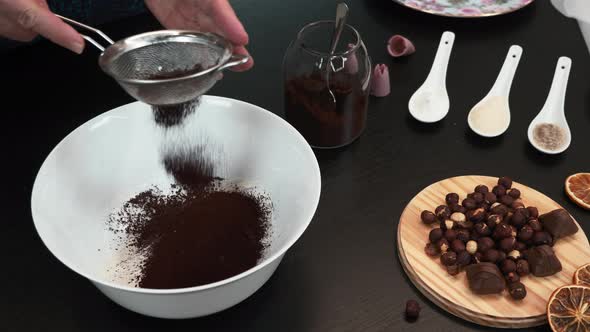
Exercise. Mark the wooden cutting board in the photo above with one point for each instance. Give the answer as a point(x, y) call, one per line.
point(452, 292)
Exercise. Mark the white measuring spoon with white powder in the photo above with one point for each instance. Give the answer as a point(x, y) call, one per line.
point(491, 116)
point(430, 103)
point(549, 131)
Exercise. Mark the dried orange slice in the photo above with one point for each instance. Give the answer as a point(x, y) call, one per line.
point(582, 275)
point(577, 187)
point(568, 309)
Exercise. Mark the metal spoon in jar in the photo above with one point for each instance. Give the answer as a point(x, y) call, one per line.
point(341, 14)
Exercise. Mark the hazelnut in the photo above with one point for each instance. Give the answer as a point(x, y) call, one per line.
point(448, 258)
point(478, 257)
point(463, 235)
point(507, 244)
point(435, 235)
point(524, 211)
point(482, 188)
point(450, 235)
point(428, 217)
point(508, 266)
point(443, 245)
point(512, 277)
point(514, 193)
point(476, 215)
point(458, 217)
point(505, 182)
point(522, 267)
point(499, 209)
point(478, 198)
point(517, 290)
point(442, 212)
point(499, 191)
point(484, 244)
point(525, 233)
point(542, 237)
point(514, 254)
point(536, 225)
point(513, 231)
point(482, 229)
point(490, 198)
point(506, 200)
point(533, 211)
point(457, 208)
point(518, 219)
point(453, 269)
point(463, 258)
point(501, 231)
point(502, 256)
point(431, 249)
point(471, 247)
point(520, 246)
point(452, 198)
point(491, 256)
point(457, 246)
point(469, 203)
point(412, 310)
point(495, 219)
point(517, 204)
point(448, 224)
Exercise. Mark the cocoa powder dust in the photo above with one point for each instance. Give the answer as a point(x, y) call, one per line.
point(202, 230)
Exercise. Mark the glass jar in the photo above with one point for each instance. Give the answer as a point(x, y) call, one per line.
point(327, 105)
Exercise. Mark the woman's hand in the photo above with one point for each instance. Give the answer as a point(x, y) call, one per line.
point(24, 19)
point(203, 15)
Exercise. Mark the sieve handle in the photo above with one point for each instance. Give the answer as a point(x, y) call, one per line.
point(235, 60)
point(87, 27)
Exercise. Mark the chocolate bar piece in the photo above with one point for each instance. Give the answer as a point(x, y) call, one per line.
point(485, 278)
point(542, 261)
point(558, 223)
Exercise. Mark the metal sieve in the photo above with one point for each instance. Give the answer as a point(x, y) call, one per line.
point(142, 63)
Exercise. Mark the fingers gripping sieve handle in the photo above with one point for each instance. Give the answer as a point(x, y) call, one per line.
point(87, 27)
point(235, 60)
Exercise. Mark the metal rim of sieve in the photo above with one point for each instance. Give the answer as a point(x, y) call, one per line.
point(116, 49)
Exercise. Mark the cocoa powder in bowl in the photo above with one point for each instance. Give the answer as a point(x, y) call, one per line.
point(202, 231)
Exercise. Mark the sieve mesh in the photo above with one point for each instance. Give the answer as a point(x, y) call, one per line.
point(145, 62)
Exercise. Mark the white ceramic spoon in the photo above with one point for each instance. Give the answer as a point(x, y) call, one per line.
point(553, 111)
point(430, 103)
point(491, 116)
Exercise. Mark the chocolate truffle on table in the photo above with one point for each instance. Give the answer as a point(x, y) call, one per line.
point(469, 203)
point(535, 224)
point(435, 235)
point(533, 212)
point(542, 261)
point(453, 269)
point(463, 258)
point(484, 244)
point(457, 246)
point(482, 188)
point(508, 266)
point(558, 223)
point(485, 278)
point(492, 256)
point(431, 249)
point(490, 198)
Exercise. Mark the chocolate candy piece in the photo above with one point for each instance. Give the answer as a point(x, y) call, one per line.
point(542, 261)
point(558, 223)
point(485, 278)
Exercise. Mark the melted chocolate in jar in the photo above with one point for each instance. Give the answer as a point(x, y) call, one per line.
point(309, 107)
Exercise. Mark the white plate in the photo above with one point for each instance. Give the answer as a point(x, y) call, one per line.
point(466, 8)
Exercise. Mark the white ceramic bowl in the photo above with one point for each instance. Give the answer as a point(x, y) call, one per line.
point(107, 160)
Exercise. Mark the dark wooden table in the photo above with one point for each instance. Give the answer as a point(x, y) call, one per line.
point(343, 274)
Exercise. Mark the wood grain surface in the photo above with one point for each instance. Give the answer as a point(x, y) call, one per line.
point(452, 292)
